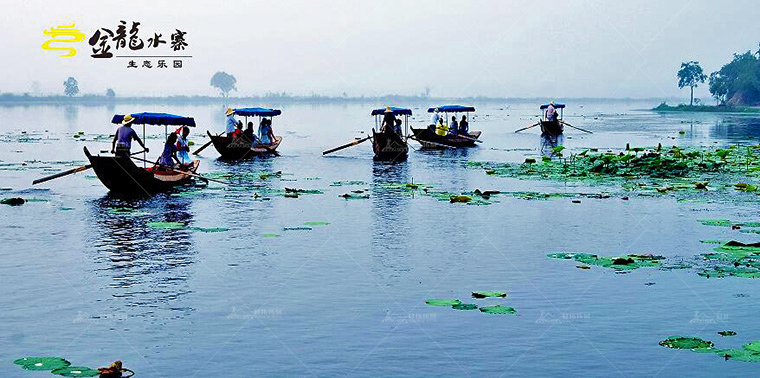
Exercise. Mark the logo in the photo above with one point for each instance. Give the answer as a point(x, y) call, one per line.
point(159, 50)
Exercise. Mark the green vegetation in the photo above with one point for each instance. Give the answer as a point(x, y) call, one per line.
point(76, 371)
point(443, 302)
point(489, 294)
point(690, 75)
point(624, 262)
point(747, 353)
point(498, 309)
point(41, 363)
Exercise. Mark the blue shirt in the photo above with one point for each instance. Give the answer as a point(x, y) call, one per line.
point(231, 124)
point(166, 156)
point(125, 134)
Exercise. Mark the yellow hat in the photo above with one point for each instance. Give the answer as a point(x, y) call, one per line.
point(229, 112)
point(388, 109)
point(127, 119)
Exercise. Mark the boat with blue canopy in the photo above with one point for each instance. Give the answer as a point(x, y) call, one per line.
point(242, 146)
point(440, 134)
point(552, 127)
point(121, 175)
point(388, 140)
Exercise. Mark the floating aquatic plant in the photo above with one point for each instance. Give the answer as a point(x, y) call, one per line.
point(465, 307)
point(487, 294)
point(41, 363)
point(166, 225)
point(498, 309)
point(316, 223)
point(624, 262)
point(692, 343)
point(76, 371)
point(443, 302)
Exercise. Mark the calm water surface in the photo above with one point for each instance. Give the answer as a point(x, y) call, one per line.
point(82, 281)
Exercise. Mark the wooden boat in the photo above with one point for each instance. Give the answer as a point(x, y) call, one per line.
point(121, 175)
point(390, 146)
point(240, 148)
point(428, 137)
point(553, 127)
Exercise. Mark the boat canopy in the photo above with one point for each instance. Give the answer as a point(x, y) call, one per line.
point(156, 119)
point(261, 112)
point(556, 106)
point(396, 111)
point(452, 109)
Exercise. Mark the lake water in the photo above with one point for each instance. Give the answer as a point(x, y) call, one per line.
point(83, 280)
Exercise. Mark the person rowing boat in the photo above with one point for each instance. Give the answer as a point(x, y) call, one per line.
point(125, 134)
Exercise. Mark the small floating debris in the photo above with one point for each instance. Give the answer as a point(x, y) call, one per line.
point(443, 302)
point(353, 196)
point(210, 229)
point(297, 228)
point(345, 183)
point(498, 309)
point(460, 199)
point(727, 333)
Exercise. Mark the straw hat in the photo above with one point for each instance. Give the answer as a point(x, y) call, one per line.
point(388, 109)
point(127, 119)
point(229, 112)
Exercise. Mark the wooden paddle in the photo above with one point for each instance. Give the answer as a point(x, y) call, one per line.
point(526, 128)
point(354, 143)
point(70, 171)
point(577, 128)
point(184, 172)
point(433, 143)
point(203, 147)
point(468, 137)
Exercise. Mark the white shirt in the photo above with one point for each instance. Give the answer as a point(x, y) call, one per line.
point(434, 119)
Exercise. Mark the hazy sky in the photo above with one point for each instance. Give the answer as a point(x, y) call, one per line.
point(458, 48)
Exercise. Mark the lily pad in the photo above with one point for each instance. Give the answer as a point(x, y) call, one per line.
point(465, 307)
point(487, 294)
point(624, 262)
point(211, 229)
point(443, 302)
point(269, 235)
point(727, 333)
point(15, 201)
point(693, 343)
point(498, 309)
point(76, 371)
point(297, 228)
point(41, 363)
point(316, 223)
point(166, 225)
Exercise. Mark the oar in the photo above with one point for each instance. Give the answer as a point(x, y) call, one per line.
point(354, 143)
point(577, 128)
point(70, 171)
point(433, 143)
point(468, 137)
point(184, 172)
point(526, 128)
point(205, 145)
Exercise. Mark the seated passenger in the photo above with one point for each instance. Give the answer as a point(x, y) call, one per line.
point(397, 127)
point(454, 125)
point(169, 156)
point(464, 127)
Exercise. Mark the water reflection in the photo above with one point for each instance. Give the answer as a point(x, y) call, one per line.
point(71, 115)
point(390, 220)
point(736, 128)
point(147, 266)
point(549, 142)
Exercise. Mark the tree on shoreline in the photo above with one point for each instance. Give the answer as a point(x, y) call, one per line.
point(70, 87)
point(738, 82)
point(224, 82)
point(690, 75)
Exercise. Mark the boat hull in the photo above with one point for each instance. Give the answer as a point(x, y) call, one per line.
point(429, 139)
point(389, 147)
point(121, 175)
point(241, 148)
point(552, 128)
